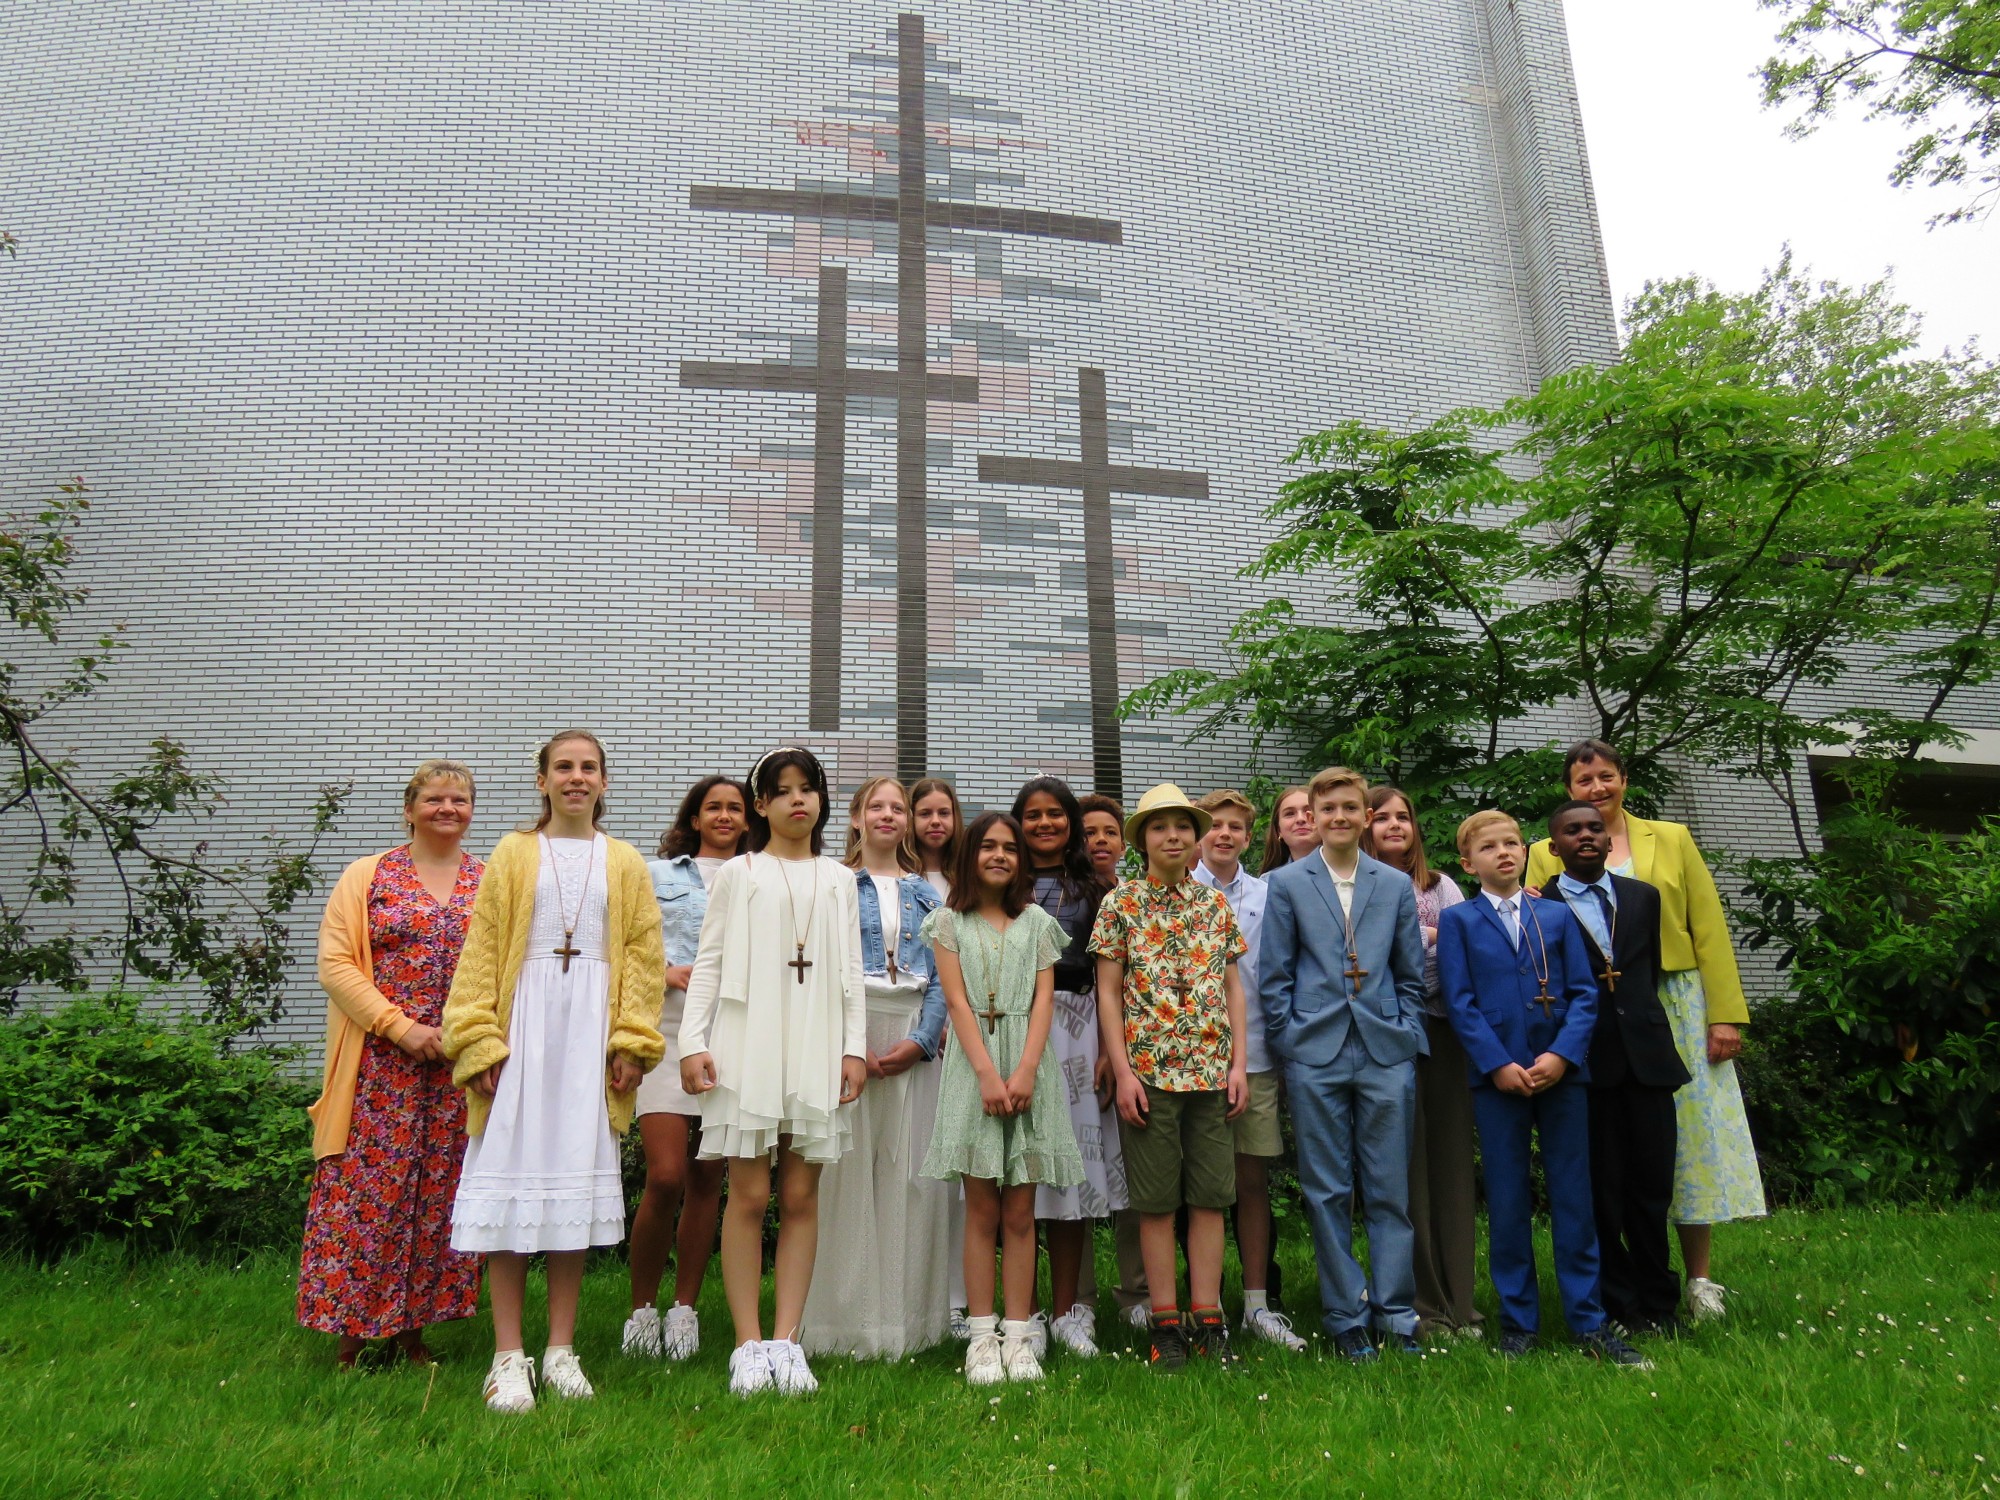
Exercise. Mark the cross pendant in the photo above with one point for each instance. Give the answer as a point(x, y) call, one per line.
point(800, 964)
point(1545, 1000)
point(1354, 972)
point(892, 968)
point(566, 951)
point(1610, 978)
point(991, 1015)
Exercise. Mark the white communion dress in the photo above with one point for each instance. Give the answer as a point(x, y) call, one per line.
point(777, 997)
point(543, 1175)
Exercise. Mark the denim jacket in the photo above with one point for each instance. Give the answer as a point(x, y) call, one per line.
point(913, 955)
point(683, 903)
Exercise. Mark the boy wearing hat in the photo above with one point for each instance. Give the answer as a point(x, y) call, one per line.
point(1171, 1008)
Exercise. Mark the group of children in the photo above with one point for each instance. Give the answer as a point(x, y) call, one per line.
point(959, 1033)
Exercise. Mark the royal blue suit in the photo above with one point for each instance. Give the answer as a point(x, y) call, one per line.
point(1490, 987)
point(1349, 1053)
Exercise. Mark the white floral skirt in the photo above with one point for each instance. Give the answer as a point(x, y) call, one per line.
point(1715, 1163)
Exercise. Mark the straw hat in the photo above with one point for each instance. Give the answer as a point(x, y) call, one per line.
point(1166, 797)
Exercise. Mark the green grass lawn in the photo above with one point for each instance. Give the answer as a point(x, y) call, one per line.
point(1862, 1357)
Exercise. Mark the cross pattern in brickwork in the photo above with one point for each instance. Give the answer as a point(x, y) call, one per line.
point(1097, 479)
point(914, 212)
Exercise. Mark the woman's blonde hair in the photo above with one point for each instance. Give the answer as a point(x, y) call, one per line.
point(906, 847)
point(436, 770)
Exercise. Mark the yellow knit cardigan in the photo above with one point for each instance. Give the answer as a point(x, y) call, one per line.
point(1694, 932)
point(496, 943)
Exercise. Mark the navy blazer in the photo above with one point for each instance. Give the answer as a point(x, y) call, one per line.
point(1634, 1039)
point(1489, 986)
point(1309, 1003)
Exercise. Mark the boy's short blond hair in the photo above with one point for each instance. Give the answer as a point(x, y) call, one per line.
point(1478, 823)
point(1331, 780)
point(1225, 796)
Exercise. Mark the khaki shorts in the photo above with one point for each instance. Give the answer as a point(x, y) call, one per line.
point(1183, 1155)
point(1256, 1129)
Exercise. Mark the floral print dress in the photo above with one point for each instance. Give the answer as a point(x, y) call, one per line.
point(378, 1257)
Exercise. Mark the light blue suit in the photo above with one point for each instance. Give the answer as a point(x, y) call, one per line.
point(1349, 1054)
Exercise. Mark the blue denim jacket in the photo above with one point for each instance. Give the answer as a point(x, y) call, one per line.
point(913, 955)
point(683, 903)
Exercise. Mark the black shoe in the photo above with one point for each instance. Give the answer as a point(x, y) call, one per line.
point(1607, 1346)
point(1355, 1346)
point(1406, 1343)
point(1168, 1354)
point(1514, 1342)
point(1211, 1341)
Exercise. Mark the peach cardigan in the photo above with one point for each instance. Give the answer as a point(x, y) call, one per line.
point(1694, 932)
point(496, 944)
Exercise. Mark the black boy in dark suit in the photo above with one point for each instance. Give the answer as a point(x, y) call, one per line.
point(1634, 1070)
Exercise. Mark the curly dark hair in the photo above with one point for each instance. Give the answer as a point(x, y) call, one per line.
point(682, 839)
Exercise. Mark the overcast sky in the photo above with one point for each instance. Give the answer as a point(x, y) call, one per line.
point(1694, 175)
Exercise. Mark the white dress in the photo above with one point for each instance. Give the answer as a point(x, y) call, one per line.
point(777, 1033)
point(544, 1173)
point(660, 1091)
point(881, 1281)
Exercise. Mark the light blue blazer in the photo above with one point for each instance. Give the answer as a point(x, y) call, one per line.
point(1309, 1003)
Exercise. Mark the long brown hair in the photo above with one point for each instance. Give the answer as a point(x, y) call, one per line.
point(1422, 876)
point(948, 855)
point(906, 847)
point(965, 882)
point(542, 769)
point(1276, 851)
point(683, 838)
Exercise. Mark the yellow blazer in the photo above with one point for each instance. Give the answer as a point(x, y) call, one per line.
point(1694, 933)
point(496, 943)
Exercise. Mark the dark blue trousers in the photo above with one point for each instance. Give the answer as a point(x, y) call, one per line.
point(1507, 1122)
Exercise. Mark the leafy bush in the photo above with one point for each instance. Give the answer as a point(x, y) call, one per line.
point(1880, 1079)
point(120, 1123)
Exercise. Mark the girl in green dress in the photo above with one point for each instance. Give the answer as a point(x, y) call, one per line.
point(1003, 1121)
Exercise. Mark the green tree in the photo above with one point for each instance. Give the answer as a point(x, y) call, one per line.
point(1933, 65)
point(187, 918)
point(1690, 552)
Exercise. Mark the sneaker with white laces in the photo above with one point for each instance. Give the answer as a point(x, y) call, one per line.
point(983, 1362)
point(1139, 1316)
point(1017, 1353)
point(1704, 1299)
point(1075, 1330)
point(1272, 1328)
point(750, 1369)
point(961, 1325)
point(789, 1370)
point(642, 1334)
point(563, 1376)
point(680, 1332)
point(510, 1383)
point(1038, 1335)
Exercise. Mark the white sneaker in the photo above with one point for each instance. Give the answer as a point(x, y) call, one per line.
point(983, 1362)
point(510, 1384)
point(750, 1369)
point(680, 1334)
point(562, 1375)
point(789, 1370)
point(1704, 1299)
point(1272, 1328)
point(1074, 1330)
point(642, 1334)
point(1017, 1353)
point(1139, 1316)
point(1038, 1335)
point(961, 1325)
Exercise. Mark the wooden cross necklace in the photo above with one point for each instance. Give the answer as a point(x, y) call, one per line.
point(994, 957)
point(1542, 996)
point(799, 963)
point(569, 950)
point(1610, 977)
point(1353, 973)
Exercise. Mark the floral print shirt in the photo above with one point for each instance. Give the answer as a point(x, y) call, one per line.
point(1175, 943)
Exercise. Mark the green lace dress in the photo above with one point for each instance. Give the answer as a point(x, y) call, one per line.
point(1039, 1146)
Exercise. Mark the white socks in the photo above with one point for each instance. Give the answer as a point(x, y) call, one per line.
point(1014, 1328)
point(1255, 1301)
point(984, 1325)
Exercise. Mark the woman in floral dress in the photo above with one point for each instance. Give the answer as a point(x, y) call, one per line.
point(389, 1127)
